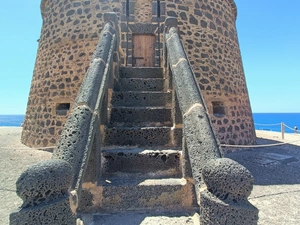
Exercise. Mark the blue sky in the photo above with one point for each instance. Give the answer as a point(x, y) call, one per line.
point(269, 37)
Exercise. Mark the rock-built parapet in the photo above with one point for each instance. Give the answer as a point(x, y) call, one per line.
point(70, 33)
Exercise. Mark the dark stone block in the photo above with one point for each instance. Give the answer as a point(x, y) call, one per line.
point(204, 55)
point(183, 16)
point(76, 4)
point(204, 81)
point(212, 26)
point(208, 15)
point(171, 22)
point(204, 68)
point(52, 130)
point(221, 130)
point(172, 14)
point(193, 20)
point(76, 22)
point(198, 12)
point(86, 3)
point(70, 12)
point(184, 8)
point(203, 24)
point(87, 10)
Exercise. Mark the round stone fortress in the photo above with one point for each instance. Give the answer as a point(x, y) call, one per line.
point(70, 32)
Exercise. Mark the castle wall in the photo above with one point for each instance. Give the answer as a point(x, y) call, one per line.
point(208, 31)
point(68, 39)
point(70, 33)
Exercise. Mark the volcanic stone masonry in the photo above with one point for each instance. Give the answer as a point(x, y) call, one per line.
point(69, 35)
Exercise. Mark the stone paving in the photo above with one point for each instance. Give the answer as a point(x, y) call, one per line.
point(14, 158)
point(276, 171)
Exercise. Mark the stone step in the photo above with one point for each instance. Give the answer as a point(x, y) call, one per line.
point(140, 116)
point(120, 195)
point(141, 99)
point(139, 84)
point(143, 136)
point(140, 162)
point(143, 218)
point(142, 72)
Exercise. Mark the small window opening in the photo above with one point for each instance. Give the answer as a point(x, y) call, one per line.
point(218, 109)
point(127, 9)
point(62, 109)
point(158, 8)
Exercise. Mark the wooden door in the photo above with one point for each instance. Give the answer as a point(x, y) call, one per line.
point(143, 50)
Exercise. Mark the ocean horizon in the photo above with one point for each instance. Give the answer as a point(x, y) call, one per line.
point(11, 120)
point(272, 121)
point(262, 121)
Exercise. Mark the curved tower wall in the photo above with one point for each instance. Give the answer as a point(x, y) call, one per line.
point(70, 33)
point(208, 31)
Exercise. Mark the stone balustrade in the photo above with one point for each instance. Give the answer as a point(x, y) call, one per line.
point(50, 190)
point(222, 185)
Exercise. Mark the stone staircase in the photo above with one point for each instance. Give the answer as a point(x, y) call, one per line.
point(141, 112)
point(123, 161)
point(141, 157)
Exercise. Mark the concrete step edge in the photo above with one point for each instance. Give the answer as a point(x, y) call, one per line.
point(116, 182)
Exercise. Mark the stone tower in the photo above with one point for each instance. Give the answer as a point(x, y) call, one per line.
point(70, 33)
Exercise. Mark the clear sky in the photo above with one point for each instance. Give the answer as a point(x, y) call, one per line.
point(269, 37)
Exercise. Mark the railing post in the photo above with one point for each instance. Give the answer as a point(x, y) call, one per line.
point(282, 131)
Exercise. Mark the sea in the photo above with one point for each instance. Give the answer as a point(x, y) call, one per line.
point(273, 121)
point(11, 120)
point(262, 121)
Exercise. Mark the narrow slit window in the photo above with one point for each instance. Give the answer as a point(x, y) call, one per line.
point(127, 9)
point(158, 8)
point(62, 109)
point(218, 108)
